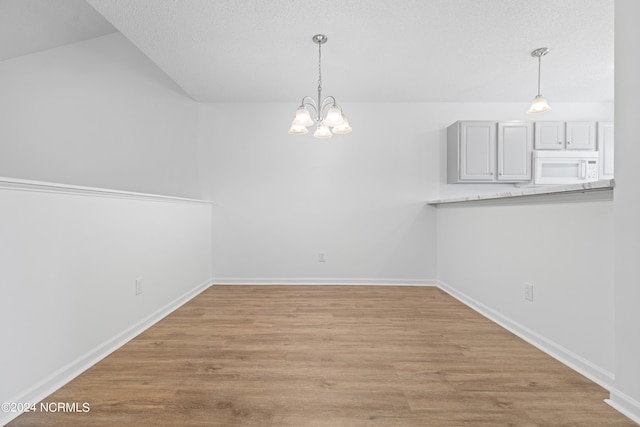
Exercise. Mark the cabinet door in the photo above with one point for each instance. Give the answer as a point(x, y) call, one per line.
point(477, 151)
point(605, 150)
point(549, 135)
point(514, 151)
point(581, 136)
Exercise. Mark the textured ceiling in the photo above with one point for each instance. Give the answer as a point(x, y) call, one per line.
point(28, 26)
point(378, 50)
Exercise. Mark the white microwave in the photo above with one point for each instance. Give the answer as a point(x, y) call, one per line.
point(564, 167)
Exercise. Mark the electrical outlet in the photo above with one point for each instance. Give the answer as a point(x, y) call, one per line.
point(321, 257)
point(528, 292)
point(138, 285)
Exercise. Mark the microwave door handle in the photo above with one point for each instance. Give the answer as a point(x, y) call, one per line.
point(583, 169)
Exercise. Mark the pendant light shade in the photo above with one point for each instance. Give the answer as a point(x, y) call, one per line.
point(332, 120)
point(539, 104)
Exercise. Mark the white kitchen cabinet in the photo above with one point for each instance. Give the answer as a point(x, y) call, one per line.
point(564, 136)
point(514, 151)
point(549, 135)
point(484, 151)
point(605, 149)
point(471, 151)
point(580, 136)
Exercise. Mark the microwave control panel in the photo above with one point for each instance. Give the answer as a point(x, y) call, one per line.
point(592, 169)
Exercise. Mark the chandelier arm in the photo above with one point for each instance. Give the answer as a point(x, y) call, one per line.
point(308, 101)
point(328, 101)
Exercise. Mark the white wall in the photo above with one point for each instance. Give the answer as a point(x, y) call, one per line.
point(281, 199)
point(97, 113)
point(68, 266)
point(488, 251)
point(360, 198)
point(626, 395)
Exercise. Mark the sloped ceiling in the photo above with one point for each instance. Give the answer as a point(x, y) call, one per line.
point(378, 51)
point(29, 26)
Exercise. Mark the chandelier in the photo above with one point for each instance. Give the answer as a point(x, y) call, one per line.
point(327, 124)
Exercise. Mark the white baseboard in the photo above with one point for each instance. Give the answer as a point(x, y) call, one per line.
point(67, 373)
point(624, 404)
point(321, 281)
point(595, 373)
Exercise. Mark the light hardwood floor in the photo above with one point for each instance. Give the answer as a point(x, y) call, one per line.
point(351, 356)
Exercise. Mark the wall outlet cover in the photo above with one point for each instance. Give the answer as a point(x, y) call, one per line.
point(528, 292)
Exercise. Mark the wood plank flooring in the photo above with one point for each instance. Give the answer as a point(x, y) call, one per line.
point(305, 356)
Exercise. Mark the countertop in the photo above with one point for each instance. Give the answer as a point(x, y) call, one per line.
point(540, 190)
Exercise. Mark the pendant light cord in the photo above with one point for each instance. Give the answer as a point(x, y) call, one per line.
point(539, 68)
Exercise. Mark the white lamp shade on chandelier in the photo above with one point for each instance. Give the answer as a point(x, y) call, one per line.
point(539, 104)
point(333, 122)
point(343, 128)
point(322, 132)
point(303, 117)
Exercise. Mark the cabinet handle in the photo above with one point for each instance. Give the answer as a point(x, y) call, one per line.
point(568, 142)
point(559, 142)
point(500, 174)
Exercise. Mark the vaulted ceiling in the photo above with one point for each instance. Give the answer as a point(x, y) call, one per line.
point(378, 51)
point(29, 26)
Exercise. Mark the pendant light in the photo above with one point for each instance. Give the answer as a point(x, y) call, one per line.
point(332, 120)
point(539, 104)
